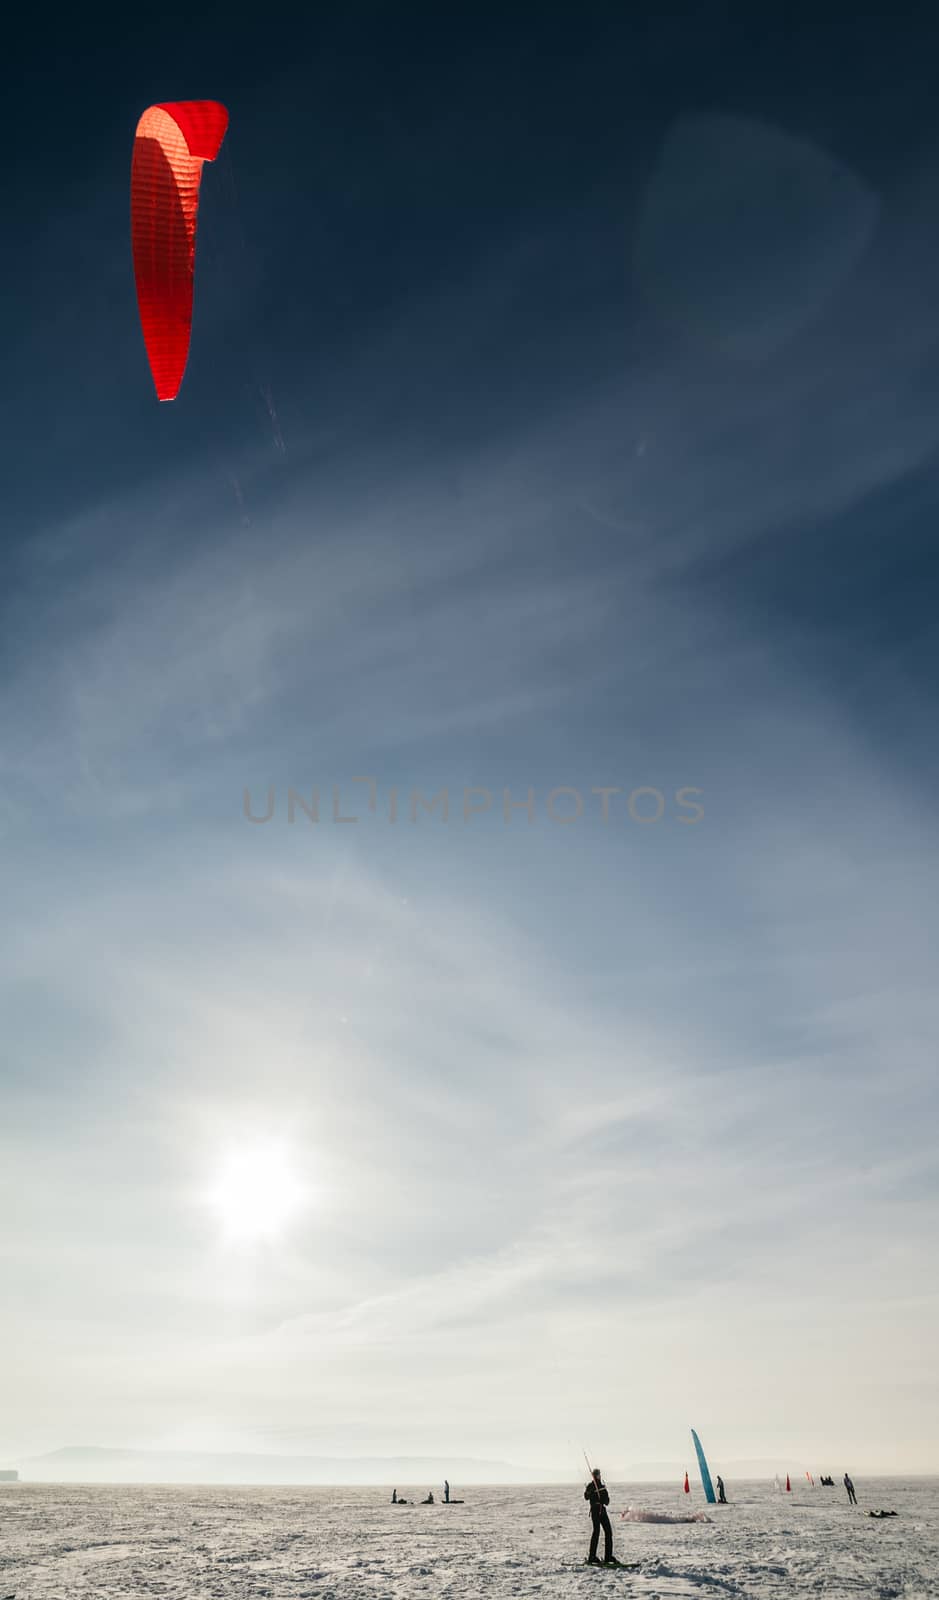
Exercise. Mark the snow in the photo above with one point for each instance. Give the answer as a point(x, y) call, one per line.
point(121, 1543)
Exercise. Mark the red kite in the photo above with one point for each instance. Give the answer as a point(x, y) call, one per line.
point(171, 143)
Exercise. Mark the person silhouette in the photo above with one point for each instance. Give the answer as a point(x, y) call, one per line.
point(598, 1498)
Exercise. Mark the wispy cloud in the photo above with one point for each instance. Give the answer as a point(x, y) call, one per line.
point(568, 1098)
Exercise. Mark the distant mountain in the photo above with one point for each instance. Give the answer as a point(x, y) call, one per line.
point(94, 1464)
point(97, 1464)
point(761, 1467)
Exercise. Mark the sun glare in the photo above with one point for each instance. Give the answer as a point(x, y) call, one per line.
point(255, 1193)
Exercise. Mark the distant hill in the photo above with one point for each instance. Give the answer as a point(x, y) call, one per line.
point(97, 1464)
point(742, 1470)
point(94, 1464)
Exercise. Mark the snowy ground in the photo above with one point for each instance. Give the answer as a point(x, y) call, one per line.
point(199, 1544)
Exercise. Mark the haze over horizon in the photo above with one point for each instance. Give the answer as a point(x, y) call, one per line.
point(562, 415)
point(96, 1464)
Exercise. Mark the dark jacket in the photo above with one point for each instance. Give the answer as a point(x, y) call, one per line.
point(597, 1494)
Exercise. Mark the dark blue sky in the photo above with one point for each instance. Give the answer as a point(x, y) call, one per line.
point(380, 154)
point(378, 159)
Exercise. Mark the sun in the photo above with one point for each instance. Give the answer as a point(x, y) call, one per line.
point(256, 1193)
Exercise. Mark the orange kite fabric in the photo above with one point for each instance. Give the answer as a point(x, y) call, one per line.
point(171, 143)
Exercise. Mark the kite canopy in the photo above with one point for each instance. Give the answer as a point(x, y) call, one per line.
point(172, 142)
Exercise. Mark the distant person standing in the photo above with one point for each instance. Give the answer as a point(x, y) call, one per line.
point(394, 1497)
point(721, 1496)
point(598, 1499)
point(446, 1492)
point(852, 1497)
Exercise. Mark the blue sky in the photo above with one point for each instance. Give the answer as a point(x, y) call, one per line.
point(561, 411)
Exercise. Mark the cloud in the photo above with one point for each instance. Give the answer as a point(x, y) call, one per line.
point(568, 1096)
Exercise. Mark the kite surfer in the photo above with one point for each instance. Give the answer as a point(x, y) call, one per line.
point(597, 1496)
point(446, 1492)
point(721, 1496)
point(852, 1497)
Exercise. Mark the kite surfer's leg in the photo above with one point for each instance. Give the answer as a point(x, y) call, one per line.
point(595, 1536)
point(607, 1535)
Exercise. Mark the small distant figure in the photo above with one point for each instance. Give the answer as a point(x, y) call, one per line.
point(394, 1497)
point(721, 1496)
point(598, 1498)
point(852, 1497)
point(446, 1492)
point(430, 1498)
